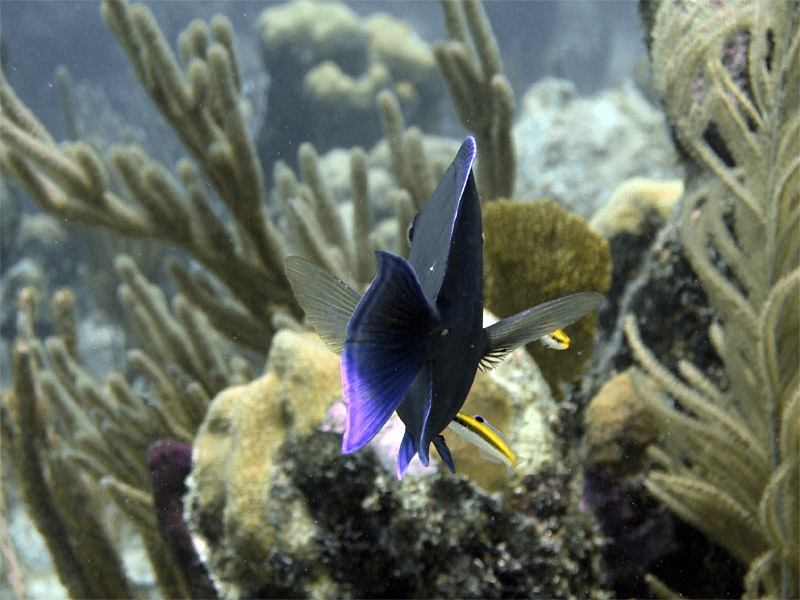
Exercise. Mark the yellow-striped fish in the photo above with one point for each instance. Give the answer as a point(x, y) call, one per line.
point(492, 444)
point(558, 340)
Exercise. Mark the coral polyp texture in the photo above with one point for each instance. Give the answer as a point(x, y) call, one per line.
point(537, 251)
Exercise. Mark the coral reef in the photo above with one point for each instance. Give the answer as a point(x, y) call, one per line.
point(629, 206)
point(640, 532)
point(75, 182)
point(64, 506)
point(88, 437)
point(537, 251)
point(729, 77)
point(235, 453)
point(136, 196)
point(9, 207)
point(630, 220)
point(280, 512)
point(170, 463)
point(216, 212)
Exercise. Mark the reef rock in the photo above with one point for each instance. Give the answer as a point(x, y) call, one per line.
point(576, 149)
point(235, 525)
point(618, 427)
point(630, 205)
point(277, 511)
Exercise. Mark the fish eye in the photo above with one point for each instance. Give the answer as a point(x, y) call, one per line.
point(445, 332)
point(478, 418)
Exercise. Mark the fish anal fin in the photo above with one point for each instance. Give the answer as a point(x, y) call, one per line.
point(444, 452)
point(408, 448)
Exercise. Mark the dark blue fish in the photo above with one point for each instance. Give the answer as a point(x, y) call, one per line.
point(414, 341)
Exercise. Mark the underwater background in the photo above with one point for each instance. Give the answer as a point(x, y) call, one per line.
point(171, 426)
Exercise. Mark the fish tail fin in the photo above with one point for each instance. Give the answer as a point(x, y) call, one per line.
point(384, 349)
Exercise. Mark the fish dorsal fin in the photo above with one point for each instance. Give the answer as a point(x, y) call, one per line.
point(327, 300)
point(504, 336)
point(433, 226)
point(385, 347)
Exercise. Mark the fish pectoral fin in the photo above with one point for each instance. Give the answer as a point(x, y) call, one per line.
point(385, 348)
point(505, 336)
point(328, 301)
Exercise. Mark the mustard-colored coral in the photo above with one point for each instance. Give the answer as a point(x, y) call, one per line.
point(538, 251)
point(235, 449)
point(627, 208)
point(618, 427)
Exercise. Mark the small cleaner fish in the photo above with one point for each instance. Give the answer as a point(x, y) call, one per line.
point(489, 440)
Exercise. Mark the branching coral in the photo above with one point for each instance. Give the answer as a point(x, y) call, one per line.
point(409, 166)
point(729, 76)
point(481, 94)
point(203, 106)
point(63, 505)
point(90, 439)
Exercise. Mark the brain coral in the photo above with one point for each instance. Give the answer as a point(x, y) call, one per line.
point(538, 251)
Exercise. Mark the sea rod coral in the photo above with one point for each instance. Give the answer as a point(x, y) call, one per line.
point(729, 76)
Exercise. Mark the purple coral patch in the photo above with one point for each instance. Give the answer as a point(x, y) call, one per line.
point(170, 463)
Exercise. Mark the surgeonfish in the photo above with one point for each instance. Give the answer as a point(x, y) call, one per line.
point(558, 340)
point(413, 342)
point(490, 441)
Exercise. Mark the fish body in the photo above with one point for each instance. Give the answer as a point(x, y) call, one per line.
point(490, 441)
point(414, 341)
point(447, 253)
